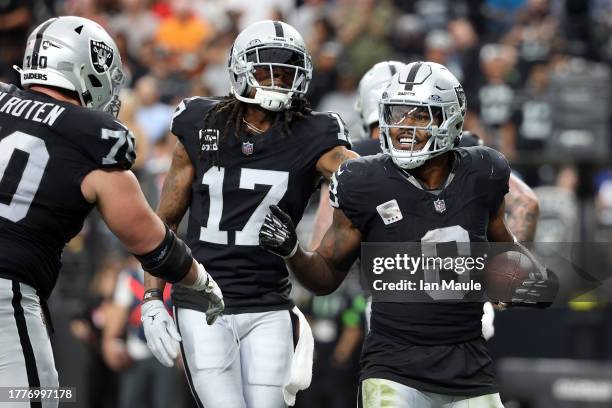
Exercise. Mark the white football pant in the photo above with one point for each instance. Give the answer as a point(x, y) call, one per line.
point(241, 361)
point(26, 358)
point(379, 393)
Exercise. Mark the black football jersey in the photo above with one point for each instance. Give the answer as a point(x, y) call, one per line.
point(229, 202)
point(47, 147)
point(460, 210)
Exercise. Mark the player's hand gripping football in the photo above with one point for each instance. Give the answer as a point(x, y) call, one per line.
point(277, 234)
point(160, 331)
point(537, 291)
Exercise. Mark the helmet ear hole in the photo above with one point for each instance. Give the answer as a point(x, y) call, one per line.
point(95, 82)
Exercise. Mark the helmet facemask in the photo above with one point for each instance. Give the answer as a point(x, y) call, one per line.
point(423, 100)
point(433, 123)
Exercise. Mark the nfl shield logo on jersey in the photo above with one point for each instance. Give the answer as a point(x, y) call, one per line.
point(247, 148)
point(440, 206)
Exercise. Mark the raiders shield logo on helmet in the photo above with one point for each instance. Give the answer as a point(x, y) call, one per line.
point(101, 56)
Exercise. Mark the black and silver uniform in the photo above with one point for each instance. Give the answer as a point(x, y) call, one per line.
point(47, 147)
point(229, 202)
point(434, 347)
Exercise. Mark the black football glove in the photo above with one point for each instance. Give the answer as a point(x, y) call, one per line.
point(538, 291)
point(277, 234)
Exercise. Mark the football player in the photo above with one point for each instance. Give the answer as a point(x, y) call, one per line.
point(62, 153)
point(522, 207)
point(236, 156)
point(417, 354)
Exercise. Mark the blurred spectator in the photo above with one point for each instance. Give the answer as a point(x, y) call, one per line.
point(603, 199)
point(249, 11)
point(534, 36)
point(305, 17)
point(127, 116)
point(363, 29)
point(534, 111)
point(494, 100)
point(215, 75)
point(500, 16)
point(439, 48)
point(465, 49)
point(152, 116)
point(15, 21)
point(407, 37)
point(143, 381)
point(213, 11)
point(90, 9)
point(322, 33)
point(337, 327)
point(558, 220)
point(136, 22)
point(183, 32)
point(101, 381)
point(436, 14)
point(581, 93)
point(324, 71)
point(342, 100)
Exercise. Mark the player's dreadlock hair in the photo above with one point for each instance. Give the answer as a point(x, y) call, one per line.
point(298, 110)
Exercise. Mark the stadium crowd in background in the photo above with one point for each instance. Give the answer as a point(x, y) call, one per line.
point(536, 74)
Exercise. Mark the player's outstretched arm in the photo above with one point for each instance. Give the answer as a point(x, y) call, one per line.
point(523, 208)
point(125, 210)
point(329, 162)
point(174, 201)
point(322, 270)
point(327, 165)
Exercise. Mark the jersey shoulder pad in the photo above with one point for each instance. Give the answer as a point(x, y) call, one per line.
point(188, 124)
point(330, 126)
point(189, 114)
point(488, 162)
point(352, 179)
point(493, 172)
point(105, 141)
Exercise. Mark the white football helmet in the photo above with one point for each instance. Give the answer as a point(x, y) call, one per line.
point(75, 54)
point(370, 90)
point(430, 91)
point(269, 44)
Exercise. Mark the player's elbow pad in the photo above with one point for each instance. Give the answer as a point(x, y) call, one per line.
point(171, 260)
